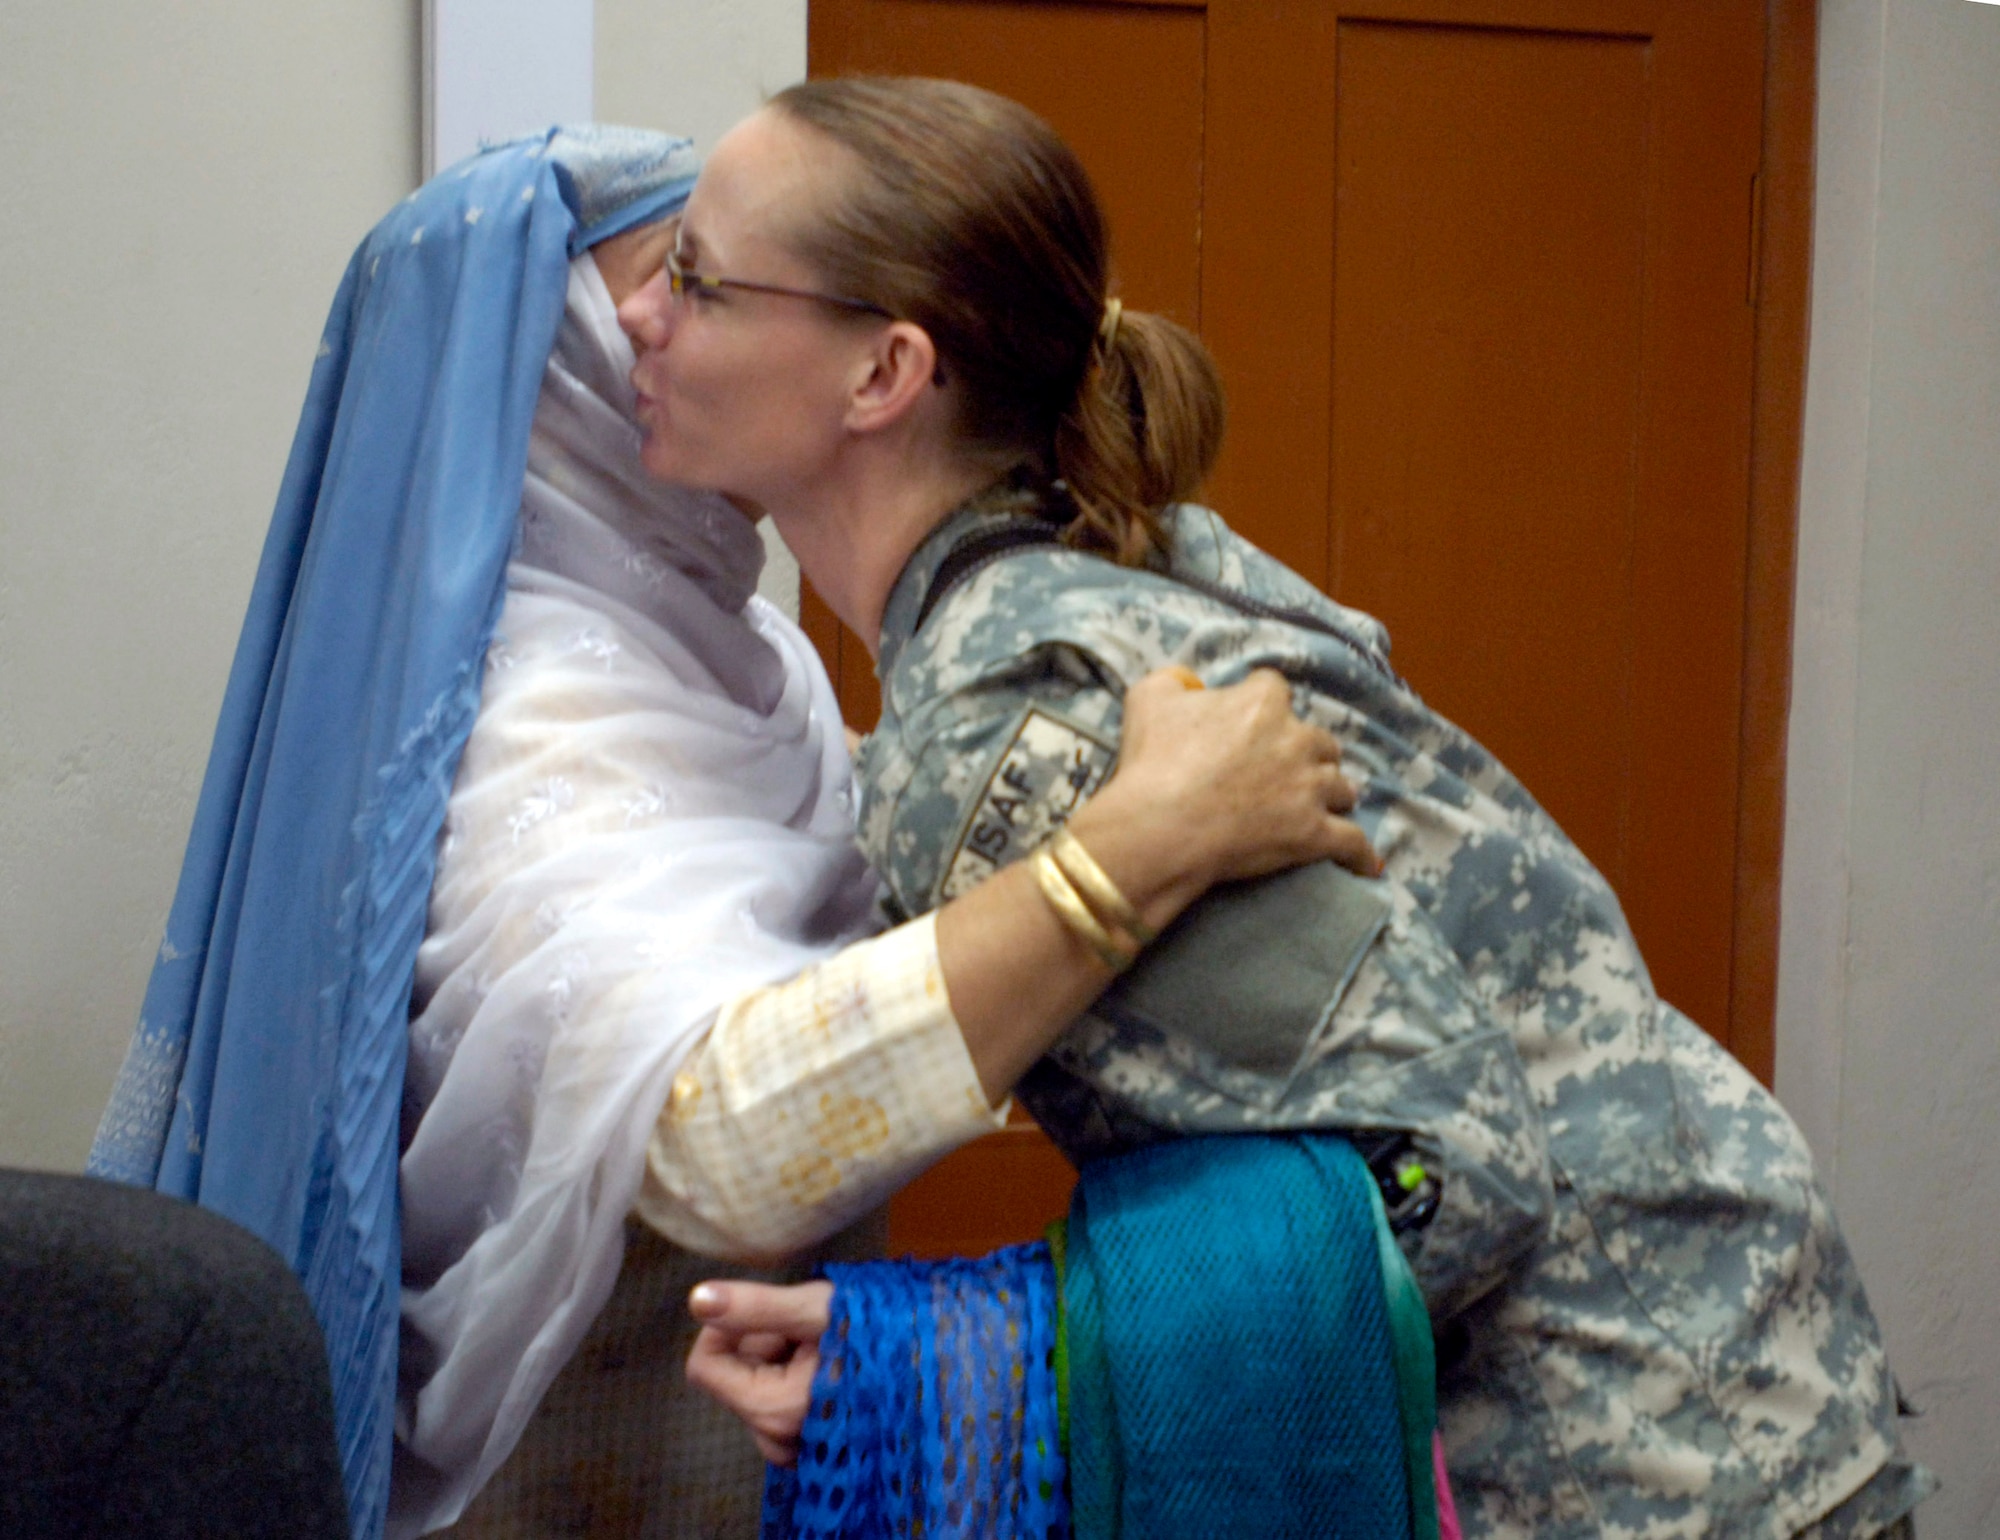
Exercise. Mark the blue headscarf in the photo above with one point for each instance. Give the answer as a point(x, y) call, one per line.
point(265, 1079)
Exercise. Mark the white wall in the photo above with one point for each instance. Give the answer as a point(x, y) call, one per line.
point(1889, 995)
point(696, 67)
point(184, 184)
point(497, 69)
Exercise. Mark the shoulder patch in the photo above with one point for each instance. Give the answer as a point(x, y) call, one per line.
point(1049, 768)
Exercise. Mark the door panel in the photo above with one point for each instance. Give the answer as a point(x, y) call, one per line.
point(1480, 277)
point(1007, 1187)
point(1489, 268)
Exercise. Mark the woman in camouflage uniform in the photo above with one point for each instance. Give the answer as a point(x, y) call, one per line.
point(1652, 1324)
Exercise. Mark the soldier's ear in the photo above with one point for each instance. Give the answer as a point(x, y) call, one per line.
point(892, 378)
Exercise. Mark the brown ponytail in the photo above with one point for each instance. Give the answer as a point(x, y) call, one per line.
point(1142, 433)
point(963, 212)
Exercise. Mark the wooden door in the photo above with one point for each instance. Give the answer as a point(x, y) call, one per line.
point(1483, 280)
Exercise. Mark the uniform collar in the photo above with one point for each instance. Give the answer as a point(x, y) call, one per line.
point(1005, 502)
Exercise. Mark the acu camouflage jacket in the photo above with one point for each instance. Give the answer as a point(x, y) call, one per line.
point(1667, 1336)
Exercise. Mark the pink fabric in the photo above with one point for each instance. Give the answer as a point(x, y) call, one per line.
point(1447, 1510)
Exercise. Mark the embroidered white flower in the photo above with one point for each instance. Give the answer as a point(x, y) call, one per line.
point(649, 803)
point(550, 798)
point(553, 913)
point(596, 644)
point(645, 566)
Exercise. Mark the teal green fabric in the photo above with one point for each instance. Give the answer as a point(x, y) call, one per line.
point(1416, 1371)
point(1231, 1348)
point(1057, 1239)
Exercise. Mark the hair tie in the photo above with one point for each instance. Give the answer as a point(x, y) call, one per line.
point(1107, 329)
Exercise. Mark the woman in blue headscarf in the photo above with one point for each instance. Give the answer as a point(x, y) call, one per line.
point(519, 789)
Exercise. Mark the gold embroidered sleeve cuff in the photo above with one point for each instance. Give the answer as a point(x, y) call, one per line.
point(811, 1101)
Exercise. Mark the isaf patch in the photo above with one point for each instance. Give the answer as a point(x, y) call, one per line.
point(1048, 770)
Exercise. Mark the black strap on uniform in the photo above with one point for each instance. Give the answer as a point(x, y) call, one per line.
point(978, 550)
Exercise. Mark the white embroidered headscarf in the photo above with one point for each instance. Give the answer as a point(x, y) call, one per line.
point(653, 815)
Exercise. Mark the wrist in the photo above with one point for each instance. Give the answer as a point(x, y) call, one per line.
point(1159, 874)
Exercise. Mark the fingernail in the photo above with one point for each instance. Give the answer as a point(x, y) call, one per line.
point(705, 1299)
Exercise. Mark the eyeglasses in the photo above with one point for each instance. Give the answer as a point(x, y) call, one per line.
point(681, 283)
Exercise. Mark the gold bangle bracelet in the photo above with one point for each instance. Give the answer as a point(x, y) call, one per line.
point(1075, 914)
point(1098, 889)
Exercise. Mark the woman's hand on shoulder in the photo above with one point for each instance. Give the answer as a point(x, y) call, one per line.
point(1235, 773)
point(1211, 786)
